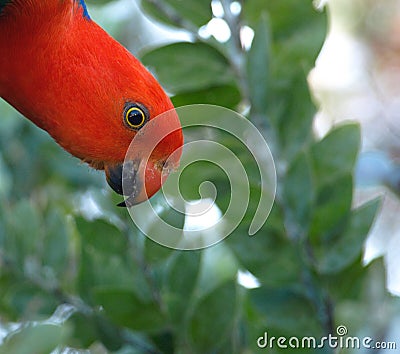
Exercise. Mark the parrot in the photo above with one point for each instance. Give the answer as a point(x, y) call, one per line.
point(69, 77)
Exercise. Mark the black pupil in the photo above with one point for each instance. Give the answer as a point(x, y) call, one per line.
point(135, 117)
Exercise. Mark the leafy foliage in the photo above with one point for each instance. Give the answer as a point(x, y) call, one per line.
point(131, 295)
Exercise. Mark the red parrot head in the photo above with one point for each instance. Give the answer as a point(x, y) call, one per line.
point(153, 153)
point(69, 77)
point(132, 128)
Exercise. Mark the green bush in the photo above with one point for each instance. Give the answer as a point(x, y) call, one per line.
point(127, 294)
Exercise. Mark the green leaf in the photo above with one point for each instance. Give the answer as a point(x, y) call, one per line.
point(124, 308)
point(5, 179)
point(219, 265)
point(177, 12)
point(21, 299)
point(213, 319)
point(270, 257)
point(200, 171)
point(155, 253)
point(83, 331)
point(349, 246)
point(222, 95)
point(189, 67)
point(24, 229)
point(38, 339)
point(294, 121)
point(332, 206)
point(155, 229)
point(297, 54)
point(55, 242)
point(180, 283)
point(101, 236)
point(335, 155)
point(258, 68)
point(287, 17)
point(298, 193)
point(104, 260)
point(349, 283)
point(109, 334)
point(285, 310)
point(165, 341)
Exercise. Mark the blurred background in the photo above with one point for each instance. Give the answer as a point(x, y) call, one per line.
point(357, 77)
point(320, 80)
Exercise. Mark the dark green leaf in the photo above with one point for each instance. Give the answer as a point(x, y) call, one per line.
point(165, 341)
point(189, 67)
point(349, 246)
point(154, 252)
point(335, 155)
point(109, 334)
point(258, 68)
point(5, 179)
point(55, 242)
point(224, 95)
point(270, 257)
point(178, 12)
point(22, 298)
point(101, 235)
point(213, 318)
point(298, 192)
point(124, 308)
point(332, 206)
point(180, 284)
point(294, 122)
point(348, 283)
point(286, 310)
point(83, 331)
point(24, 229)
point(104, 260)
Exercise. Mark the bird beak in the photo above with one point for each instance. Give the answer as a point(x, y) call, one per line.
point(135, 180)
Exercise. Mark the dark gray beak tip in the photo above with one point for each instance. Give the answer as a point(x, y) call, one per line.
point(123, 179)
point(114, 178)
point(128, 202)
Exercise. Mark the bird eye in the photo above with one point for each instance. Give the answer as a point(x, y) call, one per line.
point(135, 116)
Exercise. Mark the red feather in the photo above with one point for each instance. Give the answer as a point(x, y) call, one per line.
point(69, 77)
